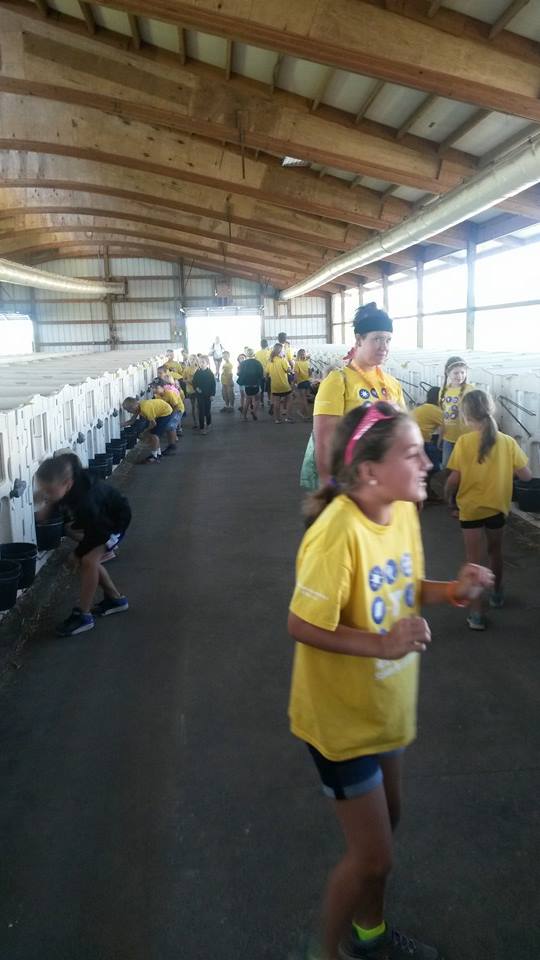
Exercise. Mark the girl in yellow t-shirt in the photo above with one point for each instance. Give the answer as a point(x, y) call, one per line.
point(483, 465)
point(278, 370)
point(189, 372)
point(303, 383)
point(227, 384)
point(453, 390)
point(356, 616)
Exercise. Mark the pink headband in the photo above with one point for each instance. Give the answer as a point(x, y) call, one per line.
point(372, 417)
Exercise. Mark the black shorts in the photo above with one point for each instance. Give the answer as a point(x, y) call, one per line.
point(495, 522)
point(90, 541)
point(285, 393)
point(304, 385)
point(251, 391)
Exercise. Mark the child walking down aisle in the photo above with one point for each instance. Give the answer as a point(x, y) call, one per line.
point(356, 616)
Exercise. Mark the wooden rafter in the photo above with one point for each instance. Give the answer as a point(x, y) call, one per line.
point(228, 59)
point(416, 115)
point(135, 31)
point(321, 139)
point(369, 100)
point(415, 54)
point(88, 16)
point(181, 36)
point(507, 16)
point(323, 89)
point(275, 72)
point(463, 130)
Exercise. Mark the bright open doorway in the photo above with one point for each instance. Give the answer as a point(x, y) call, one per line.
point(235, 330)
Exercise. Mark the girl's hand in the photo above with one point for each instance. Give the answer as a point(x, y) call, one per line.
point(410, 635)
point(472, 581)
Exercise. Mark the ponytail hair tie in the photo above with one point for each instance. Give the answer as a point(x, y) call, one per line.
point(372, 417)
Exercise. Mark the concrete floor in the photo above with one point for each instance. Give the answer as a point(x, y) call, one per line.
point(154, 805)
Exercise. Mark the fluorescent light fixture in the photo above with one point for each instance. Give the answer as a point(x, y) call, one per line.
point(32, 277)
point(294, 162)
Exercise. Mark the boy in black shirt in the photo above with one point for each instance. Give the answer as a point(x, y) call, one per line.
point(204, 384)
point(100, 516)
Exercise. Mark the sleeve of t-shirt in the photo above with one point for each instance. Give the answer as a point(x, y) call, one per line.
point(519, 459)
point(323, 585)
point(330, 399)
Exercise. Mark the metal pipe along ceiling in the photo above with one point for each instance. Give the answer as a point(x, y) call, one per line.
point(32, 277)
point(514, 173)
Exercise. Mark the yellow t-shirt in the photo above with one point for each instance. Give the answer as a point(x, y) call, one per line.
point(188, 377)
point(277, 369)
point(352, 571)
point(227, 374)
point(485, 488)
point(450, 402)
point(344, 390)
point(176, 368)
point(263, 356)
point(174, 399)
point(429, 418)
point(301, 369)
point(153, 409)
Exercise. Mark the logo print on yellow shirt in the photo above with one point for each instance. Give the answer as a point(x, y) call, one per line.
point(374, 393)
point(378, 610)
point(364, 394)
point(376, 578)
point(391, 571)
point(406, 565)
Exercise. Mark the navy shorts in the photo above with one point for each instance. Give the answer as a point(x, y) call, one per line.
point(251, 391)
point(495, 522)
point(345, 779)
point(166, 423)
point(304, 385)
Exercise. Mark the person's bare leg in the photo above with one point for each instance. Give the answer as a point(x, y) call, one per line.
point(107, 584)
point(288, 405)
point(474, 553)
point(151, 440)
point(392, 768)
point(276, 402)
point(89, 572)
point(356, 886)
point(495, 556)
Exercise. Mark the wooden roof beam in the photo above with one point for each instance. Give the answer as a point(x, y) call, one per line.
point(135, 31)
point(324, 138)
point(507, 16)
point(415, 54)
point(88, 16)
point(182, 46)
point(275, 72)
point(228, 59)
point(465, 128)
point(323, 89)
point(416, 115)
point(369, 100)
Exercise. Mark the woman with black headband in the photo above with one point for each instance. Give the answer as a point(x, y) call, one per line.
point(361, 381)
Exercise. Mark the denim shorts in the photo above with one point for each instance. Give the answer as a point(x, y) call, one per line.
point(345, 779)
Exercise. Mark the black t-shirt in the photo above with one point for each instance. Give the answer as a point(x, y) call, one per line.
point(250, 373)
point(204, 382)
point(96, 508)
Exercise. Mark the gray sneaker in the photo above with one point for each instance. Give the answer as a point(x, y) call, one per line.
point(392, 945)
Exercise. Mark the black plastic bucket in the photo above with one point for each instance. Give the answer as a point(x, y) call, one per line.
point(105, 460)
point(49, 534)
point(100, 470)
point(528, 495)
point(118, 450)
point(10, 574)
point(130, 436)
point(25, 554)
